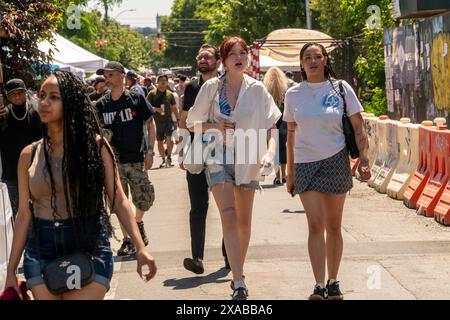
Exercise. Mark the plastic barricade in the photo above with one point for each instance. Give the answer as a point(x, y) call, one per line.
point(408, 139)
point(393, 154)
point(439, 153)
point(381, 143)
point(422, 173)
point(372, 137)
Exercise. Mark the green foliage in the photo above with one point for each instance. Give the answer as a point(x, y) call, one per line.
point(250, 19)
point(348, 18)
point(120, 43)
point(184, 33)
point(22, 26)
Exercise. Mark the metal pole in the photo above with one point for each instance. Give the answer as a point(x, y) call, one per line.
point(308, 15)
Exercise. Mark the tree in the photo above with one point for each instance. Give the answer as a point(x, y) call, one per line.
point(183, 32)
point(110, 41)
point(106, 5)
point(23, 25)
point(350, 18)
point(250, 19)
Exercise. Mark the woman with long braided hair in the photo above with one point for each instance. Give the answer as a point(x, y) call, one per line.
point(68, 177)
point(318, 166)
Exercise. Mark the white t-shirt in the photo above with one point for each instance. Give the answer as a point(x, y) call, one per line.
point(317, 110)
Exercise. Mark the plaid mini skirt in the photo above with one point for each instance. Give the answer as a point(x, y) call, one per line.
point(331, 175)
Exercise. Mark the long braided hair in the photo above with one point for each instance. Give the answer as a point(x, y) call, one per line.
point(82, 165)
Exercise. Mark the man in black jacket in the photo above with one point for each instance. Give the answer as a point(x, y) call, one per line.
point(208, 61)
point(19, 126)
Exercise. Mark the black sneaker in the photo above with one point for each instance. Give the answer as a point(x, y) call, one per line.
point(334, 293)
point(240, 294)
point(126, 249)
point(163, 163)
point(194, 265)
point(319, 293)
point(169, 162)
point(142, 232)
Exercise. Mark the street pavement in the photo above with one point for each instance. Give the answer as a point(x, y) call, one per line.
point(390, 252)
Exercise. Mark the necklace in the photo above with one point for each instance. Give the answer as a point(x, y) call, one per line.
point(16, 117)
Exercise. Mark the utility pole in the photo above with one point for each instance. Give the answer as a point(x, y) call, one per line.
point(158, 23)
point(308, 15)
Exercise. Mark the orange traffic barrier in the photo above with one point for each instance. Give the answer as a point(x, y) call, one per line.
point(381, 143)
point(422, 173)
point(393, 155)
point(408, 140)
point(439, 154)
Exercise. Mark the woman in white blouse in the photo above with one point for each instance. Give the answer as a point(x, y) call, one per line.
point(318, 166)
point(241, 107)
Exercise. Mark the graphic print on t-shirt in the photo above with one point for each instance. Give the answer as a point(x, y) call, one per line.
point(125, 115)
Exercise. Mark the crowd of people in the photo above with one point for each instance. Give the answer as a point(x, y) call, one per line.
point(72, 158)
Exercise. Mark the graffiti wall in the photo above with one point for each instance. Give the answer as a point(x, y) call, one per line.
point(417, 63)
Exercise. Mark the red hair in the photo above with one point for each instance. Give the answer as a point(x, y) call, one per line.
point(228, 44)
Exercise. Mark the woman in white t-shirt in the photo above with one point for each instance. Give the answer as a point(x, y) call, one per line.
point(318, 166)
point(243, 110)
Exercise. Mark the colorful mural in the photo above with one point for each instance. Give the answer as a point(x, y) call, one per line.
point(417, 65)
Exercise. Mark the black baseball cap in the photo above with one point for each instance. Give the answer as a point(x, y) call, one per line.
point(111, 66)
point(289, 74)
point(132, 75)
point(15, 85)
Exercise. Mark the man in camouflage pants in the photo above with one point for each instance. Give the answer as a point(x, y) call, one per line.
point(124, 114)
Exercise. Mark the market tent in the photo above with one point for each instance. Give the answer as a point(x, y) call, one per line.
point(67, 52)
point(281, 47)
point(65, 67)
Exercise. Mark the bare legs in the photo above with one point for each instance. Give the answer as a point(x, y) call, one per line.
point(235, 205)
point(324, 214)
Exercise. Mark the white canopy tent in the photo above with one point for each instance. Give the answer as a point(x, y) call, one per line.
point(65, 67)
point(281, 47)
point(69, 53)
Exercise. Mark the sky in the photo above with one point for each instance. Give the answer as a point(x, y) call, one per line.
point(144, 14)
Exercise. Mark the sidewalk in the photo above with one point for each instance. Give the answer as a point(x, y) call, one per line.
point(389, 251)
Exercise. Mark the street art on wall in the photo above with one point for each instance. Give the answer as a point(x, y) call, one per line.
point(417, 65)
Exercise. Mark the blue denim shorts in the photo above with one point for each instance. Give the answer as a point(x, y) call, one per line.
point(58, 241)
point(220, 173)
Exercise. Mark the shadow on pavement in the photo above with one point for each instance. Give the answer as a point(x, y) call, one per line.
point(193, 282)
point(293, 211)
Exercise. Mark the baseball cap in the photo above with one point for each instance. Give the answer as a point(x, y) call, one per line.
point(15, 85)
point(132, 75)
point(111, 66)
point(289, 74)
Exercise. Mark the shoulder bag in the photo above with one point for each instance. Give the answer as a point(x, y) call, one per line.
point(191, 165)
point(347, 127)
